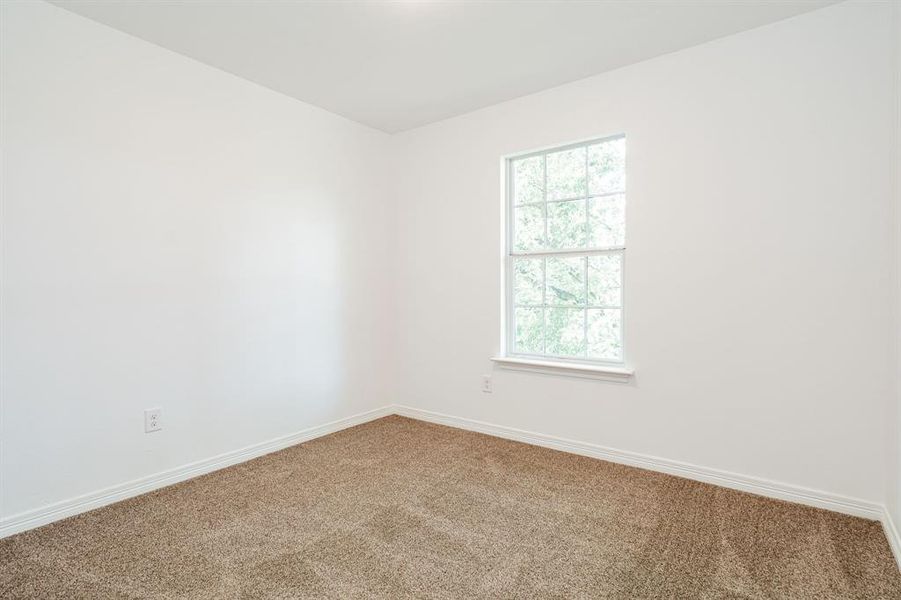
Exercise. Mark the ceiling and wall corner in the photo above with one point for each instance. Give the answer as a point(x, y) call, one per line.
point(748, 104)
point(399, 65)
point(174, 237)
point(749, 158)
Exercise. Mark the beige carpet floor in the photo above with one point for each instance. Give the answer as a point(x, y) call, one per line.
point(397, 508)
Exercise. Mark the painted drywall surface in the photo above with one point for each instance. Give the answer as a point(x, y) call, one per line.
point(174, 237)
point(759, 242)
point(243, 241)
point(894, 407)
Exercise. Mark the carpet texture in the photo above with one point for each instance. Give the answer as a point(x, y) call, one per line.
point(397, 508)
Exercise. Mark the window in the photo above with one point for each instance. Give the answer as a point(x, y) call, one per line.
point(565, 253)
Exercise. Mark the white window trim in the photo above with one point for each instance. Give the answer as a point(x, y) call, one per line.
point(569, 369)
point(573, 367)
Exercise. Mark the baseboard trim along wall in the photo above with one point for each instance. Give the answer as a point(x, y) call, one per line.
point(894, 537)
point(67, 508)
point(744, 483)
point(754, 485)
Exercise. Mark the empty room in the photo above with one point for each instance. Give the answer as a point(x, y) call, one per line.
point(450, 299)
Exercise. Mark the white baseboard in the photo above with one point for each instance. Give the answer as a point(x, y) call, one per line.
point(763, 487)
point(894, 537)
point(744, 483)
point(73, 506)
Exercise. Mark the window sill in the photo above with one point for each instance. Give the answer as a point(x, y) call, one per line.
point(600, 372)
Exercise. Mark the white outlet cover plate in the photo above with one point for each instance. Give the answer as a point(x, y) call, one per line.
point(153, 420)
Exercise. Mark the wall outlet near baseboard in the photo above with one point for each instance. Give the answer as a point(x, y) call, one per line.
point(153, 419)
point(486, 384)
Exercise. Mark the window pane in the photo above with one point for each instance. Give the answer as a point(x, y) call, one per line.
point(528, 228)
point(605, 280)
point(607, 221)
point(529, 330)
point(528, 180)
point(565, 331)
point(528, 284)
point(605, 334)
point(566, 227)
point(566, 281)
point(566, 203)
point(607, 167)
point(566, 176)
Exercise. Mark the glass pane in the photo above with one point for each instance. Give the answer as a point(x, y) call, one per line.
point(565, 331)
point(528, 281)
point(528, 180)
point(566, 281)
point(529, 331)
point(605, 275)
point(566, 177)
point(607, 167)
point(607, 221)
point(566, 225)
point(605, 334)
point(528, 228)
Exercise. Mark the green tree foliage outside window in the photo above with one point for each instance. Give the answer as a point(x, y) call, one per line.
point(567, 251)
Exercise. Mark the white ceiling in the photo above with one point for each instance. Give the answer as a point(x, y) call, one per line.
point(397, 65)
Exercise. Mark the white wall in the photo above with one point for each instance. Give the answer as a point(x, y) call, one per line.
point(174, 236)
point(759, 239)
point(894, 406)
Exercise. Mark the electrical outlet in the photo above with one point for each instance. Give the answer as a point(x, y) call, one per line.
point(486, 384)
point(153, 419)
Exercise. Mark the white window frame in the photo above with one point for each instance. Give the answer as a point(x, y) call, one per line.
point(548, 363)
